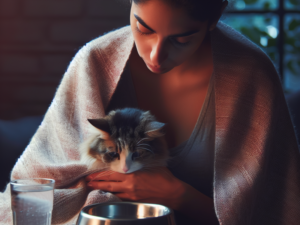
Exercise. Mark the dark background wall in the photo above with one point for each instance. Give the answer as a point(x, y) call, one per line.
point(38, 38)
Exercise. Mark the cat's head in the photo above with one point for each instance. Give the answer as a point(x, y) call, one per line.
point(127, 140)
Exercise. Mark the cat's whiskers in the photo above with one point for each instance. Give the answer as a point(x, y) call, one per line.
point(142, 140)
point(143, 144)
point(147, 149)
point(147, 146)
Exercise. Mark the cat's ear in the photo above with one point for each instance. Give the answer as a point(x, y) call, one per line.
point(154, 129)
point(102, 126)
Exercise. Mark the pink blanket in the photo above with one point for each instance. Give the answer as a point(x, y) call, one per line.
point(257, 166)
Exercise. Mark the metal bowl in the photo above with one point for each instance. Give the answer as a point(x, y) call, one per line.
point(125, 213)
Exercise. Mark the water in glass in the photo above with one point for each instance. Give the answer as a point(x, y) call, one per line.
point(32, 205)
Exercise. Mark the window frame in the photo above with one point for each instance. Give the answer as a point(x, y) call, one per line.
point(281, 12)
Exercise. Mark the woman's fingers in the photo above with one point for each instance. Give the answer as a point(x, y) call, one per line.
point(107, 186)
point(120, 189)
point(98, 175)
point(134, 198)
point(107, 176)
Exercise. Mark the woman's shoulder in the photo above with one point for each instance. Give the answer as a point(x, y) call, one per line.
point(115, 37)
point(108, 52)
point(231, 42)
point(232, 50)
point(113, 44)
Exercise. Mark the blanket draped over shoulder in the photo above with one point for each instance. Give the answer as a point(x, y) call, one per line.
point(257, 165)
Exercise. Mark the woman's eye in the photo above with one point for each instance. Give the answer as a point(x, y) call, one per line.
point(179, 41)
point(142, 30)
point(113, 154)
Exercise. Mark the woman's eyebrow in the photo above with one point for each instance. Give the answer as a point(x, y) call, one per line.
point(143, 23)
point(175, 35)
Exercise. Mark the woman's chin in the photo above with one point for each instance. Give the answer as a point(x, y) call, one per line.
point(159, 71)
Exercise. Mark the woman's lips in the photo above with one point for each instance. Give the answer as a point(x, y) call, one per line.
point(155, 69)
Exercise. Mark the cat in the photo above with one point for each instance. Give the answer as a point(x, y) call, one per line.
point(125, 141)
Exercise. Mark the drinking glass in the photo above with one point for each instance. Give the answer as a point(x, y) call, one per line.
point(32, 201)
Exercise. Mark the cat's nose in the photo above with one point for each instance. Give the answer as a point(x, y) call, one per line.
point(125, 169)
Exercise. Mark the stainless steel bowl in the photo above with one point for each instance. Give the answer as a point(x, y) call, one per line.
point(125, 213)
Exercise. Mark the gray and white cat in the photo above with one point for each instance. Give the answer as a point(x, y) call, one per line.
point(124, 141)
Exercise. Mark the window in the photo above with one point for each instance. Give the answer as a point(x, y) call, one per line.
point(274, 25)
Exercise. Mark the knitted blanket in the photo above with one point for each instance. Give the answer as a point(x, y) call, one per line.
point(257, 166)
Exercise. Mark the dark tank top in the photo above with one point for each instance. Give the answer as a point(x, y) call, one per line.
point(193, 160)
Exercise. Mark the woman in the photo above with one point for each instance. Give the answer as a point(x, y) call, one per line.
point(171, 66)
point(228, 126)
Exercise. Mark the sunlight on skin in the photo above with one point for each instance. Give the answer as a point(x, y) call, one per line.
point(185, 69)
point(159, 49)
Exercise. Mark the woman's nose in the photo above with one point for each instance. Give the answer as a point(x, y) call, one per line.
point(158, 54)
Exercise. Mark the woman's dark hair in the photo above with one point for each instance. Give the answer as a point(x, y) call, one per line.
point(200, 10)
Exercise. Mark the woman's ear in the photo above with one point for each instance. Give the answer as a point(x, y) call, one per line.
point(213, 24)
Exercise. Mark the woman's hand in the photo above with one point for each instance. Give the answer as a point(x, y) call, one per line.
point(156, 186)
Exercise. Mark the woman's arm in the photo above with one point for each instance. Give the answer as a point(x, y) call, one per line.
point(158, 186)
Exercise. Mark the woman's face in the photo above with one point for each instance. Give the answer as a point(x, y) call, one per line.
point(165, 36)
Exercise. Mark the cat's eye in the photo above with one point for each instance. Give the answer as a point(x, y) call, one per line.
point(135, 155)
point(113, 154)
